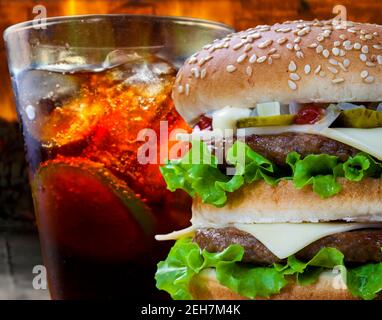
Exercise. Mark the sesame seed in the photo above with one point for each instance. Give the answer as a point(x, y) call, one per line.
point(325, 53)
point(208, 58)
point(196, 72)
point(261, 59)
point(238, 45)
point(337, 43)
point(364, 74)
point(369, 36)
point(379, 59)
point(351, 30)
point(187, 89)
point(203, 73)
point(241, 58)
point(286, 30)
point(342, 53)
point(343, 36)
point(365, 49)
point(363, 31)
point(375, 34)
point(303, 31)
point(289, 46)
point(275, 56)
point(338, 80)
point(318, 69)
point(192, 60)
point(363, 57)
point(346, 62)
point(369, 79)
point(294, 76)
point(255, 36)
point(270, 60)
point(299, 55)
point(248, 70)
point(346, 43)
point(336, 51)
point(180, 89)
point(297, 47)
point(272, 51)
point(247, 48)
point(313, 45)
point(320, 38)
point(202, 61)
point(348, 48)
point(282, 40)
point(297, 40)
point(292, 85)
point(319, 49)
point(370, 64)
point(357, 46)
point(292, 66)
point(207, 46)
point(230, 68)
point(377, 47)
point(332, 70)
point(342, 66)
point(326, 33)
point(265, 44)
point(307, 69)
point(334, 62)
point(253, 58)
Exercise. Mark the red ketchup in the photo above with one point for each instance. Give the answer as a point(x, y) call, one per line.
point(204, 123)
point(309, 115)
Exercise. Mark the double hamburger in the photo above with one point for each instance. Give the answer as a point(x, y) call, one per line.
point(299, 214)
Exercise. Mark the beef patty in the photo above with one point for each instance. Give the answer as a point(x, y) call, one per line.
point(358, 246)
point(276, 147)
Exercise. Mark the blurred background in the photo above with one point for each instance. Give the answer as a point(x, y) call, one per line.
point(18, 241)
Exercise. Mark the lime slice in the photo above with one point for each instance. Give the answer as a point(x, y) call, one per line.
point(82, 207)
point(279, 120)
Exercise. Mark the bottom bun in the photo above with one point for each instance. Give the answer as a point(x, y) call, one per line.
point(329, 287)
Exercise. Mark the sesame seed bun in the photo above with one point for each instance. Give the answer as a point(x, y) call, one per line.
point(303, 61)
point(259, 202)
point(206, 287)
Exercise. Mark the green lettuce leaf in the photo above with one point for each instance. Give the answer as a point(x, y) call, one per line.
point(365, 281)
point(175, 273)
point(316, 170)
point(199, 175)
point(186, 260)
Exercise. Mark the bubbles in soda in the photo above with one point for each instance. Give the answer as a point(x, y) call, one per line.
point(101, 108)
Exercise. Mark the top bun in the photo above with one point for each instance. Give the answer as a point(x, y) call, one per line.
point(302, 61)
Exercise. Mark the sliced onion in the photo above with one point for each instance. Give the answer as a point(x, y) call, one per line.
point(294, 107)
point(379, 108)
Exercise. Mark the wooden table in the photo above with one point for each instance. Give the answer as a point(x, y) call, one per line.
point(19, 253)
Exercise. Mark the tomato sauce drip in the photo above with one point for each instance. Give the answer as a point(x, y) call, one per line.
point(309, 115)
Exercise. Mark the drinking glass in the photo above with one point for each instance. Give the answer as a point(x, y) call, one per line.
point(85, 86)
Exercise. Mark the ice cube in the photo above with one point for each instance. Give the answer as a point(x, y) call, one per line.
point(57, 108)
point(34, 86)
point(117, 57)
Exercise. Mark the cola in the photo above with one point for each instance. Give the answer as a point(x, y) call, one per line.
point(97, 207)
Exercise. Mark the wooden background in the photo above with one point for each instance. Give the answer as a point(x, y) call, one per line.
point(238, 13)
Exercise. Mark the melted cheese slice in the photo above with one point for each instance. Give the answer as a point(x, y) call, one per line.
point(367, 140)
point(285, 239)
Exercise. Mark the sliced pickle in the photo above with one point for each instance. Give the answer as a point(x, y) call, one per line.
point(280, 120)
point(360, 118)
